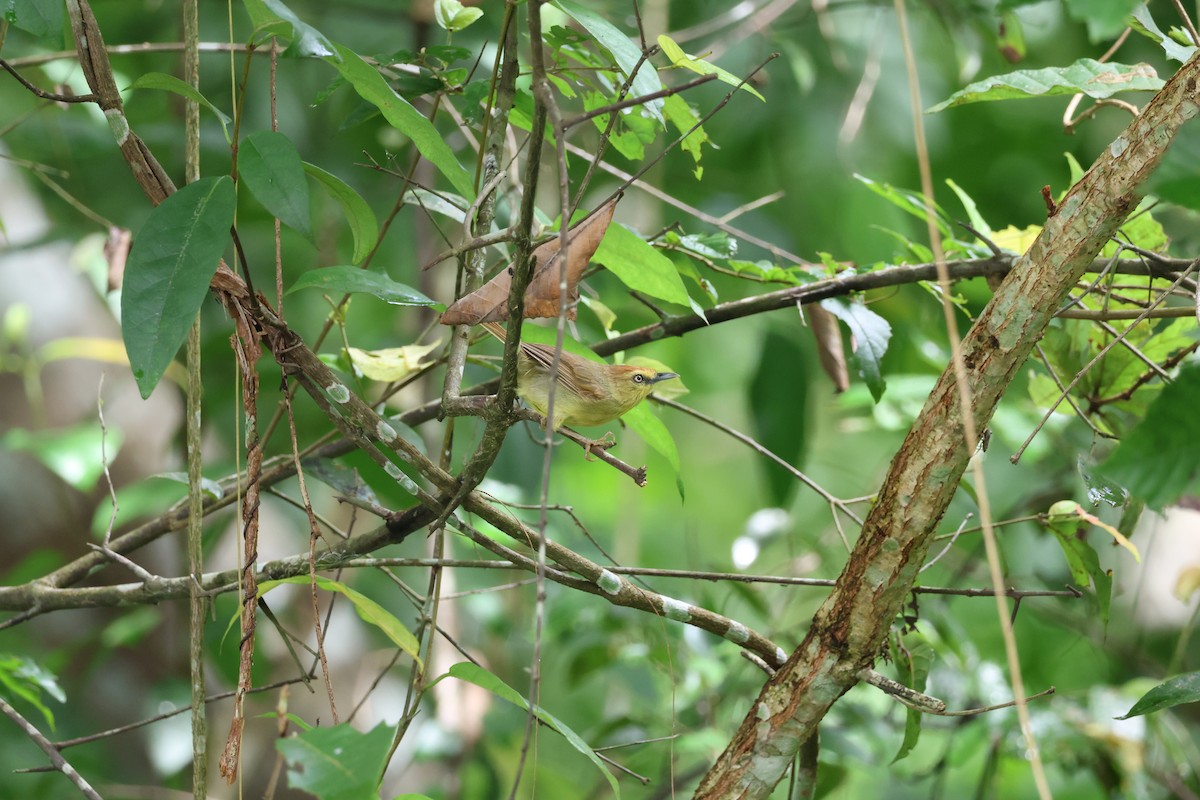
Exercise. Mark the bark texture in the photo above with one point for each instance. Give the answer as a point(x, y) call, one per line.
point(849, 629)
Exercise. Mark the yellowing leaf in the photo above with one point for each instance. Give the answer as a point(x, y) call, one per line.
point(392, 363)
point(1188, 583)
point(1016, 239)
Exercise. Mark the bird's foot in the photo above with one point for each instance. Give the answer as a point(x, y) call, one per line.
point(603, 443)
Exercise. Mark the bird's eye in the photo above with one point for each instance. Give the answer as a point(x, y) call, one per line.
point(639, 377)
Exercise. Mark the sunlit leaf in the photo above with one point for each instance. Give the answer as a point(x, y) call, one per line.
point(1176, 691)
point(681, 59)
point(640, 266)
point(1086, 76)
point(624, 52)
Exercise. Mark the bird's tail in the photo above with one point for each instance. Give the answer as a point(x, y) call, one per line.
point(495, 329)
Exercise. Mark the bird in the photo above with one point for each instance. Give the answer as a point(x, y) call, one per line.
point(589, 393)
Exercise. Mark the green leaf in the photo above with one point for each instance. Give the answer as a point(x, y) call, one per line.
point(368, 609)
point(271, 168)
point(207, 485)
point(169, 83)
point(1143, 23)
point(1105, 18)
point(338, 762)
point(968, 203)
point(624, 52)
point(466, 671)
point(1085, 76)
point(1175, 691)
point(363, 224)
point(24, 678)
point(654, 433)
point(640, 266)
point(682, 59)
point(371, 86)
point(72, 454)
point(778, 403)
point(352, 280)
point(1065, 523)
point(1158, 460)
point(684, 118)
point(339, 477)
point(42, 18)
point(1177, 177)
point(913, 656)
point(269, 15)
point(453, 16)
point(174, 257)
point(912, 202)
point(1011, 37)
point(871, 333)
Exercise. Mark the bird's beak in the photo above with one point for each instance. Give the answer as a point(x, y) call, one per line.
point(663, 376)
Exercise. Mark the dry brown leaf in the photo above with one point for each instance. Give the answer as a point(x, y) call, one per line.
point(829, 345)
point(489, 303)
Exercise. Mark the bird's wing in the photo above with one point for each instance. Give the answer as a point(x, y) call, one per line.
point(568, 376)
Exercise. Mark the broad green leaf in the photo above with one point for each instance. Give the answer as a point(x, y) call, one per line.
point(1173, 692)
point(368, 609)
point(207, 485)
point(169, 83)
point(338, 762)
point(339, 477)
point(1177, 178)
point(968, 203)
point(444, 203)
point(453, 16)
point(913, 656)
point(778, 403)
point(371, 86)
point(654, 433)
point(352, 280)
point(1158, 460)
point(684, 118)
point(363, 224)
point(681, 59)
point(392, 363)
point(42, 18)
point(174, 257)
point(1143, 23)
point(1105, 19)
point(21, 677)
point(1085, 76)
point(624, 52)
point(271, 168)
point(1082, 560)
point(912, 202)
point(871, 333)
point(466, 671)
point(269, 15)
point(73, 454)
point(640, 266)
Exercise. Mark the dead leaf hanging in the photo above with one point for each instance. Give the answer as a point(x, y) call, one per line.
point(489, 303)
